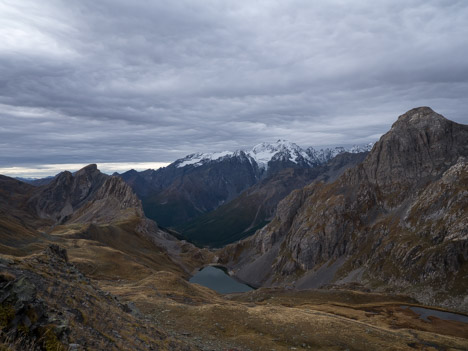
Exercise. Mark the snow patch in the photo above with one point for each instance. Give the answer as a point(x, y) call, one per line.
point(201, 158)
point(282, 150)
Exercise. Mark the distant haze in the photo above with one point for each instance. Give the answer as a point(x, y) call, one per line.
point(46, 170)
point(121, 82)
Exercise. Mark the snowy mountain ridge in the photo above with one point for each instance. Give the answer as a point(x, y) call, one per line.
point(282, 150)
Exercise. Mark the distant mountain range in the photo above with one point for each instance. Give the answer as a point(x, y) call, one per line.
point(199, 195)
point(265, 155)
point(199, 183)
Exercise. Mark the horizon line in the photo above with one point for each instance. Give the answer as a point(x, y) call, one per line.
point(52, 169)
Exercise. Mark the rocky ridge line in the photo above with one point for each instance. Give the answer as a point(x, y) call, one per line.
point(374, 226)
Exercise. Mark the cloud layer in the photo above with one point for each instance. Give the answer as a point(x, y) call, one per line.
point(151, 81)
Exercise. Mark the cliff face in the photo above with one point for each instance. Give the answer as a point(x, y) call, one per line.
point(398, 220)
point(114, 200)
point(86, 196)
point(420, 146)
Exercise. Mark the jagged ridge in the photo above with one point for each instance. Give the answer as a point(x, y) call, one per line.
point(200, 183)
point(374, 225)
point(86, 196)
point(264, 154)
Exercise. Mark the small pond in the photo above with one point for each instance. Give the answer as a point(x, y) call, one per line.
point(426, 312)
point(217, 279)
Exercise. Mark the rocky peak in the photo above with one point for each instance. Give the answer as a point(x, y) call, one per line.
point(117, 188)
point(265, 155)
point(63, 178)
point(419, 117)
point(113, 201)
point(90, 169)
point(71, 196)
point(419, 147)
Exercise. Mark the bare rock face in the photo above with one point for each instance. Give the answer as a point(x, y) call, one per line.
point(420, 146)
point(86, 196)
point(66, 192)
point(397, 221)
point(114, 201)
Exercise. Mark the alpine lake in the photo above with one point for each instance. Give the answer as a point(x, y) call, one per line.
point(217, 279)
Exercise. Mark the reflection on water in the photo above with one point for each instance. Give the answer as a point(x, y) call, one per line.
point(215, 278)
point(426, 312)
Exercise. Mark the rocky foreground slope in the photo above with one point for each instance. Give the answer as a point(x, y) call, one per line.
point(49, 295)
point(397, 221)
point(46, 303)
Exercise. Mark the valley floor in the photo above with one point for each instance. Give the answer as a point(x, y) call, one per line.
point(92, 296)
point(269, 319)
point(164, 311)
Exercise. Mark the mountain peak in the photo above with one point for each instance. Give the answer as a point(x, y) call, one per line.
point(90, 167)
point(282, 150)
point(422, 110)
point(86, 196)
point(284, 142)
point(420, 144)
point(420, 117)
point(89, 171)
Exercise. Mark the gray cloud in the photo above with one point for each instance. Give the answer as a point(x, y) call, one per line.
point(141, 81)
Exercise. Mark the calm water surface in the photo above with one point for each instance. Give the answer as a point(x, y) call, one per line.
point(426, 312)
point(215, 278)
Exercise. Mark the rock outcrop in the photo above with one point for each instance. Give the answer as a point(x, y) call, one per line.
point(86, 196)
point(398, 220)
point(46, 303)
point(420, 146)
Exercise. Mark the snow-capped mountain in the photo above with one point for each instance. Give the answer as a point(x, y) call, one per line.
point(281, 151)
point(199, 183)
point(200, 158)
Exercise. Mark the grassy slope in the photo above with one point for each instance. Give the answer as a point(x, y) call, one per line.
point(279, 319)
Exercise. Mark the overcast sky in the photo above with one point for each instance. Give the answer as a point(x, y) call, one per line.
point(151, 81)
